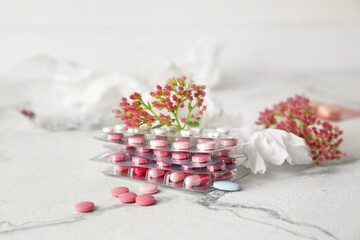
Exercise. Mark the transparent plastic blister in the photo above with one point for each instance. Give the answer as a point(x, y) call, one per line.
point(197, 182)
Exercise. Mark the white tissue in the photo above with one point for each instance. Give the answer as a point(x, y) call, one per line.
point(273, 146)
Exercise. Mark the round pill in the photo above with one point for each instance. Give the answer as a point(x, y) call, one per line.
point(161, 137)
point(188, 168)
point(136, 140)
point(217, 167)
point(121, 168)
point(85, 207)
point(117, 157)
point(196, 180)
point(158, 142)
point(119, 190)
point(182, 145)
point(177, 139)
point(163, 164)
point(145, 200)
point(226, 185)
point(161, 153)
point(148, 188)
point(143, 150)
point(140, 160)
point(206, 145)
point(177, 176)
point(200, 157)
point(107, 129)
point(223, 153)
point(200, 140)
point(222, 176)
point(126, 147)
point(127, 197)
point(229, 142)
point(156, 173)
point(229, 160)
point(140, 171)
point(180, 155)
point(115, 136)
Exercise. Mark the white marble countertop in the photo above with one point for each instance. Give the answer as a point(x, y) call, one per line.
point(43, 174)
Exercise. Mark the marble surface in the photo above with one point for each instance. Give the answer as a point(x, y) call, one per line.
point(43, 174)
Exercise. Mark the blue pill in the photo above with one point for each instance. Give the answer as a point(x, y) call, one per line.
point(226, 186)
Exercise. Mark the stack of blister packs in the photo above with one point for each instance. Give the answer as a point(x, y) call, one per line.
point(188, 159)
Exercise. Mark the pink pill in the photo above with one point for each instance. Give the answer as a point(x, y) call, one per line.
point(121, 168)
point(189, 168)
point(126, 147)
point(143, 150)
point(115, 137)
point(180, 155)
point(161, 153)
point(161, 137)
point(138, 135)
point(216, 167)
point(140, 160)
point(85, 207)
point(158, 142)
point(177, 176)
point(119, 190)
point(229, 160)
point(228, 142)
point(206, 145)
point(117, 157)
point(148, 189)
point(200, 140)
point(223, 153)
point(163, 164)
point(156, 173)
point(196, 180)
point(127, 197)
point(177, 139)
point(145, 200)
point(200, 157)
point(222, 176)
point(136, 140)
point(182, 145)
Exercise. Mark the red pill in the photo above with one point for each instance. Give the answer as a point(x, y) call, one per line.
point(140, 171)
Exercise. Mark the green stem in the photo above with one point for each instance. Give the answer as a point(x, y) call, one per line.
point(150, 109)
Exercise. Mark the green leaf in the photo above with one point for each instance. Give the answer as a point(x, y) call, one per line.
point(158, 126)
point(193, 123)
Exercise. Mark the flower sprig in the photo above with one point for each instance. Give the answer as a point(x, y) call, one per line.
point(297, 116)
point(164, 109)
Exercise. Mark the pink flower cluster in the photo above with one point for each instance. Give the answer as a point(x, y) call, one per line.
point(178, 93)
point(297, 116)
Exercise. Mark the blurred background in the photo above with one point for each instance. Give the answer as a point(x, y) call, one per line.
point(226, 44)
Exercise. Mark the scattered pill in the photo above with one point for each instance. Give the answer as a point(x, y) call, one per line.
point(180, 155)
point(161, 153)
point(127, 197)
point(206, 145)
point(148, 188)
point(119, 190)
point(163, 164)
point(182, 145)
point(196, 180)
point(177, 176)
point(115, 137)
point(140, 171)
point(85, 207)
point(139, 160)
point(217, 167)
point(145, 200)
point(201, 157)
point(226, 186)
point(229, 142)
point(158, 142)
point(136, 140)
point(117, 157)
point(156, 173)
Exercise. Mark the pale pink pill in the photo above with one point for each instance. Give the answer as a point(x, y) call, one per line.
point(206, 145)
point(145, 200)
point(177, 176)
point(156, 173)
point(85, 207)
point(119, 190)
point(177, 139)
point(180, 155)
point(127, 197)
point(161, 137)
point(200, 140)
point(223, 153)
point(148, 189)
point(188, 168)
point(121, 168)
point(126, 147)
point(222, 176)
point(163, 164)
point(201, 157)
point(115, 136)
point(143, 150)
point(117, 157)
point(196, 180)
point(140, 160)
point(228, 142)
point(182, 145)
point(136, 140)
point(229, 160)
point(158, 142)
point(216, 167)
point(161, 153)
